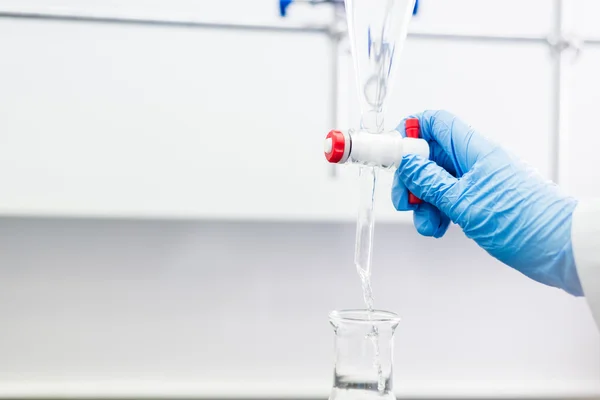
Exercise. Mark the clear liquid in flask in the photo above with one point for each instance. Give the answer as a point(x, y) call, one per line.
point(354, 375)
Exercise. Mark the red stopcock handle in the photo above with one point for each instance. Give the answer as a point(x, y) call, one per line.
point(413, 130)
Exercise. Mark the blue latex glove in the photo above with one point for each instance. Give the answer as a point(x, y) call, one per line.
point(505, 206)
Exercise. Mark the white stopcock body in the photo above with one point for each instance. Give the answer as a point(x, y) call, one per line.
point(382, 150)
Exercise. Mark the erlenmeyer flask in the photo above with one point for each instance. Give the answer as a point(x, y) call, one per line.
point(357, 360)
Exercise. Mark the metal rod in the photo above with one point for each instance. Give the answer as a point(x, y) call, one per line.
point(248, 27)
point(477, 38)
point(163, 22)
point(557, 109)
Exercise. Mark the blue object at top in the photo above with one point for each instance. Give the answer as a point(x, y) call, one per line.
point(284, 4)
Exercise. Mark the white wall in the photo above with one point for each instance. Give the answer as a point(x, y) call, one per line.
point(103, 119)
point(100, 307)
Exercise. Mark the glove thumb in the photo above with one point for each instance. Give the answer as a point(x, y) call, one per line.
point(428, 181)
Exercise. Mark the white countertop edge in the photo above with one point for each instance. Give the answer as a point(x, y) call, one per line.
point(291, 389)
point(402, 218)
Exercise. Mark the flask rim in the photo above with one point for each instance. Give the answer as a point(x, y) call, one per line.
point(363, 316)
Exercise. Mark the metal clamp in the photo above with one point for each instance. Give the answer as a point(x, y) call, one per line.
point(566, 43)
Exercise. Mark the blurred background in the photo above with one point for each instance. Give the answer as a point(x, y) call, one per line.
point(170, 228)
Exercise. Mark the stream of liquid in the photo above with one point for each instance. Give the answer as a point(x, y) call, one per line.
point(364, 230)
point(362, 256)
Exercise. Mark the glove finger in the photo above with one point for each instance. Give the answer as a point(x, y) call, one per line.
point(460, 141)
point(428, 181)
point(400, 196)
point(436, 152)
point(430, 221)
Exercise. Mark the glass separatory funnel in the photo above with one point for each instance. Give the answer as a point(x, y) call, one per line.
point(359, 364)
point(377, 30)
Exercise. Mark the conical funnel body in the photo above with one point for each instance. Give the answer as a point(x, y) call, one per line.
point(377, 30)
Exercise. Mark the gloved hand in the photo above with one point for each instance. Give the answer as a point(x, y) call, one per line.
point(505, 206)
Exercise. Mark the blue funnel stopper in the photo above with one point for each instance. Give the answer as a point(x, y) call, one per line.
point(283, 5)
